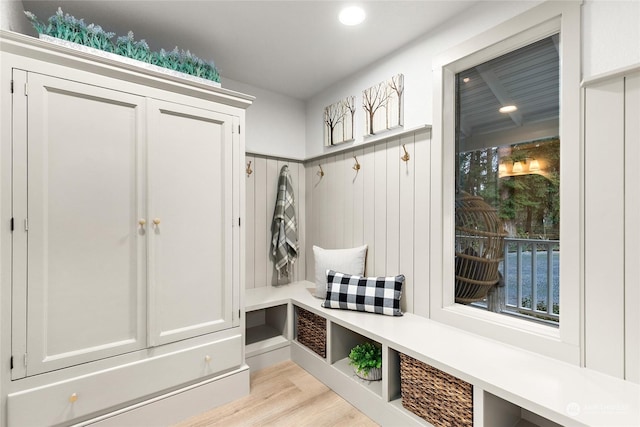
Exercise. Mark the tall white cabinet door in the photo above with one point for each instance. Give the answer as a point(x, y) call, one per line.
point(86, 250)
point(190, 209)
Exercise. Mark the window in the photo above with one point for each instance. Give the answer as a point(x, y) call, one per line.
point(508, 161)
point(513, 162)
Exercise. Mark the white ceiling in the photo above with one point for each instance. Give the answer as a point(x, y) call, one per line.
point(528, 78)
point(296, 48)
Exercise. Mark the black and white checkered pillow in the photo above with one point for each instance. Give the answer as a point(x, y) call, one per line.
point(373, 294)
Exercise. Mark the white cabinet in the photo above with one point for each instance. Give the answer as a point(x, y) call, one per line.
point(77, 216)
point(122, 189)
point(75, 397)
point(101, 193)
point(190, 207)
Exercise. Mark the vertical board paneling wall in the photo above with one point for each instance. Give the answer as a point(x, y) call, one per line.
point(262, 187)
point(612, 230)
point(383, 205)
point(632, 228)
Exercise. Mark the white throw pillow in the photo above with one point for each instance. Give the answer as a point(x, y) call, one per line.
point(349, 261)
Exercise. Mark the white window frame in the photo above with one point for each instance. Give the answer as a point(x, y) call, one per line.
point(540, 22)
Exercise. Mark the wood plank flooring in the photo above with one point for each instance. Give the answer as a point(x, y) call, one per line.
point(284, 395)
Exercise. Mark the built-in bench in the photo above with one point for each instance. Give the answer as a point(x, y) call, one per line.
point(511, 386)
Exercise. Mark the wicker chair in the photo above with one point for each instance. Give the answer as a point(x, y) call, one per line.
point(479, 247)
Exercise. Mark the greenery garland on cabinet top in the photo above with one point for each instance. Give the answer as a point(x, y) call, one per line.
point(67, 27)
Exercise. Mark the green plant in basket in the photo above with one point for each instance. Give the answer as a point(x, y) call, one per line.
point(365, 357)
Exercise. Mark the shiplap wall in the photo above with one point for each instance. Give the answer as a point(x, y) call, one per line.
point(612, 230)
point(383, 205)
point(261, 188)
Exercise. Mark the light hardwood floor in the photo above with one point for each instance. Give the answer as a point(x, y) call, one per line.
point(284, 395)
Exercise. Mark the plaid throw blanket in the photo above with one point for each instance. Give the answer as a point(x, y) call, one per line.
point(284, 229)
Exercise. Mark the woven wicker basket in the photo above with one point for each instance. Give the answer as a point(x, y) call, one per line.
point(312, 331)
point(441, 399)
point(479, 247)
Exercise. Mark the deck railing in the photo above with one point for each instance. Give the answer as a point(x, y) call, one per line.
point(535, 277)
point(532, 278)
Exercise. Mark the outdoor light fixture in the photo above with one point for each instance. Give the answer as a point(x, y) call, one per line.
point(352, 15)
point(508, 109)
point(525, 166)
point(525, 159)
point(517, 167)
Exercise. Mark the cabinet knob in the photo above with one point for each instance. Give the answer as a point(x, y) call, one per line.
point(156, 221)
point(207, 358)
point(142, 222)
point(73, 398)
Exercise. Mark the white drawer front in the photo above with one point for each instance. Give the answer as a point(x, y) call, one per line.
point(78, 397)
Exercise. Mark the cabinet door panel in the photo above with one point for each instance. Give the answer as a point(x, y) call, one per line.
point(190, 195)
point(86, 271)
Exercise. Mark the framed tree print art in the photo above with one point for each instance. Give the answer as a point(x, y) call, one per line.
point(383, 105)
point(339, 121)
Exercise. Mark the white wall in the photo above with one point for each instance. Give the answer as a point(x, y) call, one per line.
point(611, 41)
point(275, 123)
point(12, 17)
point(414, 61)
point(610, 36)
point(612, 287)
point(262, 186)
point(383, 205)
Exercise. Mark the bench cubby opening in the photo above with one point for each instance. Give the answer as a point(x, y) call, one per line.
point(499, 412)
point(266, 330)
point(342, 340)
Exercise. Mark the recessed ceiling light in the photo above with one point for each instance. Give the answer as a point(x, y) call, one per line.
point(508, 109)
point(352, 15)
point(466, 79)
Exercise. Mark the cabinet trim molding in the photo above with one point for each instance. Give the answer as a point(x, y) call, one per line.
point(31, 47)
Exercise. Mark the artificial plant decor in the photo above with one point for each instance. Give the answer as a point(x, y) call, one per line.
point(66, 27)
point(366, 360)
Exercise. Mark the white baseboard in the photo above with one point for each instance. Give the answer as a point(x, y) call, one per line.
point(270, 358)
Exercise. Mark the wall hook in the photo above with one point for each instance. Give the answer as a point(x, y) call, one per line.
point(356, 167)
point(249, 171)
point(320, 172)
point(406, 156)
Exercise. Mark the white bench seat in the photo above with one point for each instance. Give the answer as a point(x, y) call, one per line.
point(553, 389)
